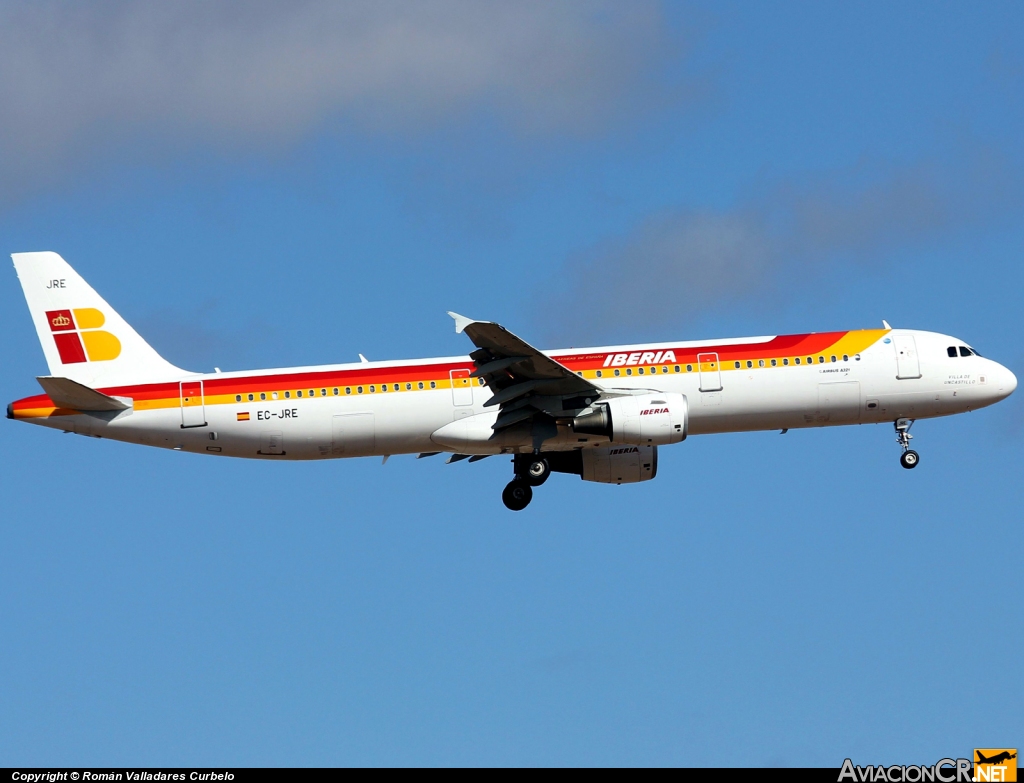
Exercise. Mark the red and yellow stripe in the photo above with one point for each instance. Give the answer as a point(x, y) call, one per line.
point(224, 391)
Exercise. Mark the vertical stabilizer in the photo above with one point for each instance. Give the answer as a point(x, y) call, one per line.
point(83, 337)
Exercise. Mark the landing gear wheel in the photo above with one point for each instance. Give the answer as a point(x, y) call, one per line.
point(909, 459)
point(517, 495)
point(537, 472)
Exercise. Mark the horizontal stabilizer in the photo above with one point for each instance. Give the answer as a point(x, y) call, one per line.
point(66, 393)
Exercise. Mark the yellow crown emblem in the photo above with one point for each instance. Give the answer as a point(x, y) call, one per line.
point(61, 320)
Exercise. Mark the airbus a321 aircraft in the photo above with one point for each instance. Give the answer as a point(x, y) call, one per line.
point(598, 413)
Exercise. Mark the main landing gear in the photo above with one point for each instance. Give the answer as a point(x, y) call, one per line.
point(909, 458)
point(532, 470)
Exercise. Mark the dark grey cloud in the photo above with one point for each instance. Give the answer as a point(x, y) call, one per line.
point(77, 77)
point(680, 264)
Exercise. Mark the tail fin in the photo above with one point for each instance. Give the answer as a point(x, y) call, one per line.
point(83, 337)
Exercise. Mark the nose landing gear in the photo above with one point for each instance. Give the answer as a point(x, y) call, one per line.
point(909, 459)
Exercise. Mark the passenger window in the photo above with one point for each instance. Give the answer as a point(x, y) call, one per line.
point(433, 384)
point(348, 390)
point(323, 392)
point(373, 389)
point(287, 395)
point(250, 398)
point(312, 392)
point(274, 395)
point(629, 372)
point(263, 395)
point(951, 352)
point(846, 357)
point(383, 387)
point(760, 362)
point(616, 373)
point(738, 365)
point(359, 389)
point(599, 374)
point(833, 358)
point(640, 371)
point(238, 398)
point(689, 368)
point(797, 360)
point(821, 360)
point(964, 351)
point(677, 368)
point(664, 370)
point(419, 385)
point(785, 362)
point(774, 363)
point(408, 386)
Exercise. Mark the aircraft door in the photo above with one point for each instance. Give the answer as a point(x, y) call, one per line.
point(462, 387)
point(272, 444)
point(907, 364)
point(838, 402)
point(352, 435)
point(710, 372)
point(193, 411)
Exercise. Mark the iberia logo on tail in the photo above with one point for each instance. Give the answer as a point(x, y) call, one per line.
point(79, 338)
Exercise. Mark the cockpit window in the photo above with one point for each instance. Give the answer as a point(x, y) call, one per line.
point(951, 351)
point(965, 351)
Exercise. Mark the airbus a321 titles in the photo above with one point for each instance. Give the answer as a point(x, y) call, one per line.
point(598, 413)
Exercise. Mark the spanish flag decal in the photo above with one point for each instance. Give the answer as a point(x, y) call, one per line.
point(244, 416)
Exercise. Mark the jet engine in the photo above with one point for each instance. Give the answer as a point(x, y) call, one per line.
point(639, 419)
point(620, 464)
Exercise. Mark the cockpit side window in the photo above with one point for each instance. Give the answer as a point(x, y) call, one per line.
point(951, 352)
point(965, 351)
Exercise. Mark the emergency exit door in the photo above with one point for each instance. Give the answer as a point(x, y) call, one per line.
point(462, 387)
point(710, 372)
point(193, 411)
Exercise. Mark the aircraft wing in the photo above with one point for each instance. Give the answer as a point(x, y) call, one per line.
point(524, 381)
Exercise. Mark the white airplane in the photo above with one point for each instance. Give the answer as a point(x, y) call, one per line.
point(599, 413)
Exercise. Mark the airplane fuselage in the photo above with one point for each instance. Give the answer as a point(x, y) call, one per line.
point(386, 408)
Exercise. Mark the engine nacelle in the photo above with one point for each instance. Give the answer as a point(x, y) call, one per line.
point(620, 464)
point(642, 419)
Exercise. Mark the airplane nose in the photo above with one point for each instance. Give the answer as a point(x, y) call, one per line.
point(1005, 381)
point(1009, 382)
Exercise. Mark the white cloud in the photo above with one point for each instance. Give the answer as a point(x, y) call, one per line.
point(79, 77)
point(682, 263)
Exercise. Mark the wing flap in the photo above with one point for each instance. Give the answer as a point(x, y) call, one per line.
point(524, 382)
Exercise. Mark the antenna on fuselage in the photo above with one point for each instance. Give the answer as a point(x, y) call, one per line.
point(886, 324)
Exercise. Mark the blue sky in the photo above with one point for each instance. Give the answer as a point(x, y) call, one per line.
point(299, 183)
